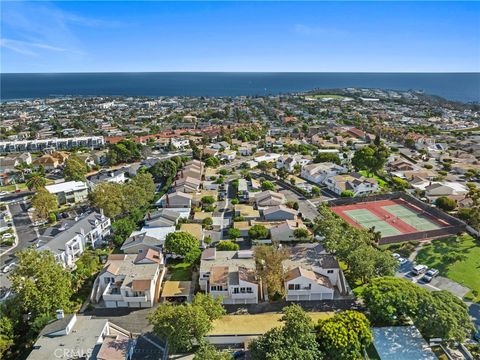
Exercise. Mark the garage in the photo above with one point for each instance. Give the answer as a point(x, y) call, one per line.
point(177, 291)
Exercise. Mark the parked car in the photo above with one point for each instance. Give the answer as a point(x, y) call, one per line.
point(239, 354)
point(419, 269)
point(396, 256)
point(9, 267)
point(402, 261)
point(429, 275)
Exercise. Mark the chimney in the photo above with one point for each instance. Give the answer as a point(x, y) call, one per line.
point(60, 314)
point(102, 214)
point(82, 231)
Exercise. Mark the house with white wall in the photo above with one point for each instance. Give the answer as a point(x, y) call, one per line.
point(312, 274)
point(354, 182)
point(230, 275)
point(130, 280)
point(69, 192)
point(319, 173)
point(68, 241)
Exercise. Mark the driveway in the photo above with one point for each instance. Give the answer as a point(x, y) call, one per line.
point(474, 311)
point(134, 320)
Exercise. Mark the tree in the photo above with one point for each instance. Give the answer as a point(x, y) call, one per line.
point(36, 182)
point(40, 284)
point(44, 203)
point(269, 262)
point(371, 158)
point(125, 151)
point(347, 193)
point(208, 199)
point(344, 336)
point(122, 228)
point(109, 197)
point(180, 243)
point(6, 335)
point(212, 162)
point(75, 169)
point(445, 317)
point(327, 157)
point(213, 307)
point(144, 181)
point(301, 234)
point(446, 203)
point(316, 191)
point(400, 184)
point(227, 245)
point(258, 232)
point(180, 325)
point(163, 170)
point(207, 222)
point(389, 299)
point(209, 352)
point(294, 340)
point(268, 185)
point(234, 233)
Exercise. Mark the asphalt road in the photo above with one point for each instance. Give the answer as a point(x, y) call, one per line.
point(25, 232)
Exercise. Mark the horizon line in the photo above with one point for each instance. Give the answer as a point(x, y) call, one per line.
point(244, 72)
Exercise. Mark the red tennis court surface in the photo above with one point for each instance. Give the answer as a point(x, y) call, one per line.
point(390, 217)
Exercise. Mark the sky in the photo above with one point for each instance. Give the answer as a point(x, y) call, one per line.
point(92, 36)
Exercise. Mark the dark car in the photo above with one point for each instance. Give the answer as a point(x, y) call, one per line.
point(240, 354)
point(429, 275)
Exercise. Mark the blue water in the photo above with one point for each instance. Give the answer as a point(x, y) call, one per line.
point(453, 86)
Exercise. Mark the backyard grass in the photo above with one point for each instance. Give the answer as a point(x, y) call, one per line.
point(180, 271)
point(457, 258)
point(255, 324)
point(382, 183)
point(13, 187)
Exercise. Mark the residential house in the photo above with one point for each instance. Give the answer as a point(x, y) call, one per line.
point(227, 155)
point(353, 182)
point(187, 184)
point(246, 211)
point(75, 336)
point(114, 176)
point(279, 212)
point(179, 143)
point(177, 199)
point(319, 173)
point(47, 161)
point(193, 229)
point(312, 274)
point(230, 275)
point(68, 241)
point(268, 198)
point(69, 192)
point(130, 280)
point(285, 230)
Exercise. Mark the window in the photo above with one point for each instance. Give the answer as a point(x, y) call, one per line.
point(293, 286)
point(243, 290)
point(249, 290)
point(329, 271)
point(236, 290)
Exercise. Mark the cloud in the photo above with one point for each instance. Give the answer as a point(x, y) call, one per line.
point(307, 30)
point(28, 48)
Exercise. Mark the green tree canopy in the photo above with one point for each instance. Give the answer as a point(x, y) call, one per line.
point(75, 169)
point(301, 234)
point(163, 170)
point(180, 243)
point(109, 197)
point(269, 264)
point(327, 157)
point(234, 233)
point(446, 203)
point(213, 307)
point(371, 158)
point(40, 284)
point(209, 352)
point(36, 181)
point(44, 203)
point(227, 245)
point(294, 340)
point(344, 336)
point(258, 232)
point(267, 185)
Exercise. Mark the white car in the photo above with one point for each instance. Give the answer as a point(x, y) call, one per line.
point(7, 236)
point(9, 267)
point(396, 256)
point(3, 193)
point(402, 261)
point(419, 269)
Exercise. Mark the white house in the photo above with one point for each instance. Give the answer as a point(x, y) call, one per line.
point(69, 192)
point(268, 198)
point(319, 173)
point(178, 199)
point(227, 155)
point(130, 280)
point(73, 236)
point(353, 182)
point(178, 143)
point(229, 274)
point(312, 274)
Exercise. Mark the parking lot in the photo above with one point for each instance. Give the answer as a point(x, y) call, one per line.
point(437, 283)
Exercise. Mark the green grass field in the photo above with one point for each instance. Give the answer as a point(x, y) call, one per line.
point(457, 259)
point(382, 183)
point(180, 271)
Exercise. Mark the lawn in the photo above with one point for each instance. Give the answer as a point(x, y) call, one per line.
point(180, 271)
point(255, 324)
point(382, 183)
point(457, 259)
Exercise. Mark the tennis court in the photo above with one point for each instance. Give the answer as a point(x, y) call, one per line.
point(411, 217)
point(367, 219)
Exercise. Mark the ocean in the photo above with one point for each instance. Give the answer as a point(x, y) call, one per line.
point(463, 87)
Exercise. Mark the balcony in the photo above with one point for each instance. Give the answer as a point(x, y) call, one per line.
point(112, 292)
point(142, 298)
